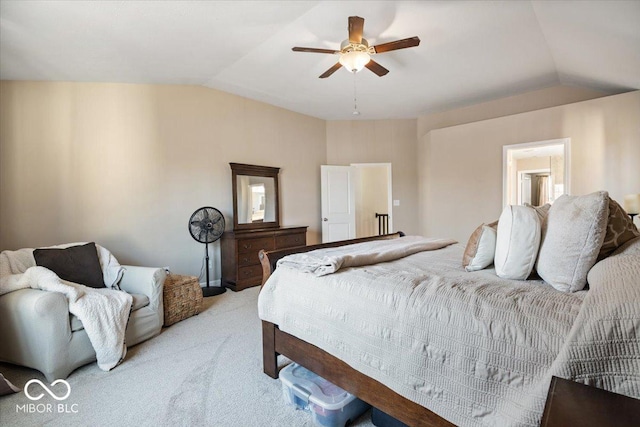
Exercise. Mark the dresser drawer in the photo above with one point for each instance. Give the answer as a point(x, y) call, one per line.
point(246, 274)
point(248, 258)
point(291, 240)
point(253, 246)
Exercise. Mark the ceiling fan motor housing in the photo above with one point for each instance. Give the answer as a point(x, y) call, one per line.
point(346, 46)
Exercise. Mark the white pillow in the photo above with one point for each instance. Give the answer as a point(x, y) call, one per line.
point(518, 241)
point(485, 250)
point(576, 227)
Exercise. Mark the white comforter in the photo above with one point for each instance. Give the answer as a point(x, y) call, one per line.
point(104, 313)
point(471, 347)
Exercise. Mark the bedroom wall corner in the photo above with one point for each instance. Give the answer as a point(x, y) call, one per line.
point(424, 165)
point(524, 102)
point(382, 141)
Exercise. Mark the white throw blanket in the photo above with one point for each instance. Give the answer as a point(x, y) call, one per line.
point(104, 313)
point(327, 261)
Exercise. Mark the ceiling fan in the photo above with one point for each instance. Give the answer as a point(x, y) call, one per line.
point(355, 52)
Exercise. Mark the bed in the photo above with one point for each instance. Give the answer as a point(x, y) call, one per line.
point(277, 342)
point(431, 344)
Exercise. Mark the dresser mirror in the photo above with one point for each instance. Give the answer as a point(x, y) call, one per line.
point(255, 196)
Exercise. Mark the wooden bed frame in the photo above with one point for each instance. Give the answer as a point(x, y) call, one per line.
point(275, 342)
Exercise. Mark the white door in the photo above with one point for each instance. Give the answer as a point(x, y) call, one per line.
point(338, 203)
point(525, 189)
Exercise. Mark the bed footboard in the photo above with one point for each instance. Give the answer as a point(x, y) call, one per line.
point(277, 342)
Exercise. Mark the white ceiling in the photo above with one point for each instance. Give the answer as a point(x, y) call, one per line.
point(471, 51)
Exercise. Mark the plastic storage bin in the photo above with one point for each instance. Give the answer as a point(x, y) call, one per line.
point(382, 419)
point(329, 405)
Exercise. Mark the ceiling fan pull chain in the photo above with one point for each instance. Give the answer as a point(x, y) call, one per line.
point(355, 97)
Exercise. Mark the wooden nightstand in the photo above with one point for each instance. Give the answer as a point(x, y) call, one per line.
point(574, 404)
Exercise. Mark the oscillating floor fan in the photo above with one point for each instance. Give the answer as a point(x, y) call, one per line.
point(206, 225)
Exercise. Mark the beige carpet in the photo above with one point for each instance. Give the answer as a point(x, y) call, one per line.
point(205, 370)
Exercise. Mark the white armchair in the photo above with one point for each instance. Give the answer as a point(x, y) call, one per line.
point(146, 320)
point(37, 330)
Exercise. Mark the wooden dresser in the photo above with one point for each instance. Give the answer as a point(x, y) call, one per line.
point(240, 263)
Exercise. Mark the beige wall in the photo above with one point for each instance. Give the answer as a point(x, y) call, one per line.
point(533, 163)
point(463, 184)
point(126, 165)
point(382, 141)
point(529, 101)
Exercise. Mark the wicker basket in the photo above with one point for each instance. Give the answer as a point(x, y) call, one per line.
point(182, 298)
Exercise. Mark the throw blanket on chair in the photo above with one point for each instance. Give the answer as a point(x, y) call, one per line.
point(326, 261)
point(104, 313)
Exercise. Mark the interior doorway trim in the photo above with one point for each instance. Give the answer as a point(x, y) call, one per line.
point(507, 160)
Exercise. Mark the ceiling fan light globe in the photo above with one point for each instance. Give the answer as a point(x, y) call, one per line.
point(354, 61)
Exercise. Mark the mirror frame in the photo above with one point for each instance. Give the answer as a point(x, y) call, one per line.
point(253, 170)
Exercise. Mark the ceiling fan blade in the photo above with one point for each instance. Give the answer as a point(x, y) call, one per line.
point(376, 68)
point(331, 70)
point(314, 50)
point(398, 44)
point(356, 25)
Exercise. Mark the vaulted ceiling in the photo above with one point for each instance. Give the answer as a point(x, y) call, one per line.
point(471, 51)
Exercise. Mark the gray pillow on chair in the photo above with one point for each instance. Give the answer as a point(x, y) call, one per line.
point(77, 264)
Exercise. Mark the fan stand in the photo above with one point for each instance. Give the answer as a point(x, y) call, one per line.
point(211, 291)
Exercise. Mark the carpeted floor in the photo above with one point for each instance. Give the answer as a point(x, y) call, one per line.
point(205, 370)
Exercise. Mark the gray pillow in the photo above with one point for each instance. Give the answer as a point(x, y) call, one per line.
point(576, 226)
point(77, 264)
point(620, 229)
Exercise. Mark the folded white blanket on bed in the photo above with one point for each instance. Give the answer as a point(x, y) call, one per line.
point(104, 313)
point(326, 261)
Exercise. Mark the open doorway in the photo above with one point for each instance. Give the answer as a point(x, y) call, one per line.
point(536, 172)
point(356, 201)
point(373, 199)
